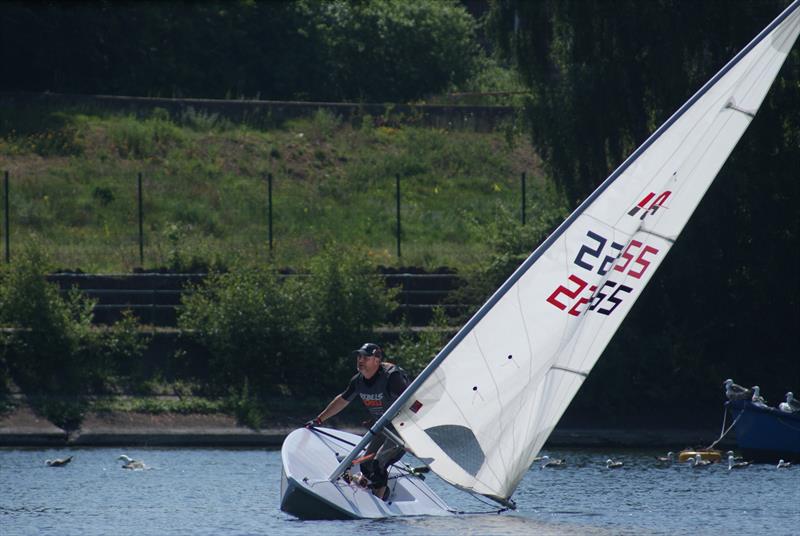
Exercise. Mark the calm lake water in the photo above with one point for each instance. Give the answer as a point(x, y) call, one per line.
point(235, 492)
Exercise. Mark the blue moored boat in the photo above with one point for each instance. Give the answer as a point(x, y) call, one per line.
point(766, 434)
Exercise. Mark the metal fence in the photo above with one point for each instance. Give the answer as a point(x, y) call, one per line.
point(268, 210)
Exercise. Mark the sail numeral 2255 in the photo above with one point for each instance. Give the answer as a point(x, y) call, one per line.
point(634, 252)
point(635, 263)
point(595, 252)
point(604, 294)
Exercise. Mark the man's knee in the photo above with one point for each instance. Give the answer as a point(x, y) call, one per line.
point(377, 475)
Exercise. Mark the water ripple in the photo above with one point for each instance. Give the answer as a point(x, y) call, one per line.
point(235, 493)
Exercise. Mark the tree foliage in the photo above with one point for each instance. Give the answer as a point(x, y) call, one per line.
point(382, 50)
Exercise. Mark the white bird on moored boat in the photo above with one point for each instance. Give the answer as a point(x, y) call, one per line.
point(791, 405)
point(783, 464)
point(736, 392)
point(757, 399)
point(130, 463)
point(734, 464)
point(58, 462)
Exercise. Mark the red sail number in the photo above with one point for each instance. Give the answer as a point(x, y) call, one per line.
point(640, 259)
point(571, 294)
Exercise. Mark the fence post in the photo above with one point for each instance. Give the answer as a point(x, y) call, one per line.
point(5, 217)
point(522, 180)
point(269, 209)
point(397, 180)
point(141, 226)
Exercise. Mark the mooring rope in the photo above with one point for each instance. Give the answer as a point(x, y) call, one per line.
point(723, 431)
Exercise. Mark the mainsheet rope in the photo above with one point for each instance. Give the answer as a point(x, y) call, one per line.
point(412, 473)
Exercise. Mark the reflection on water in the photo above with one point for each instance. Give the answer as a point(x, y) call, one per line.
point(235, 492)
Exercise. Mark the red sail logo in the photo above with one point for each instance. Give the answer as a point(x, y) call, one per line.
point(648, 205)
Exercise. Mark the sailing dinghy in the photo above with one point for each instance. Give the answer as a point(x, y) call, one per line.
point(480, 412)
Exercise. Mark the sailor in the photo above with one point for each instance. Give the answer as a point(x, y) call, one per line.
point(377, 384)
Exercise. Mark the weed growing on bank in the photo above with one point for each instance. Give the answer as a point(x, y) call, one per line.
point(73, 186)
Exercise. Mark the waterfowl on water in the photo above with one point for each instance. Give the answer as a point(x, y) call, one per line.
point(736, 392)
point(735, 458)
point(130, 463)
point(783, 464)
point(611, 464)
point(58, 462)
point(552, 462)
point(698, 461)
point(732, 464)
point(669, 458)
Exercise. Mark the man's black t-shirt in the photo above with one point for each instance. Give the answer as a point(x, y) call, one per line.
point(378, 392)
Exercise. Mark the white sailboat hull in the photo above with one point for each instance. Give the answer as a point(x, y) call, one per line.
point(309, 457)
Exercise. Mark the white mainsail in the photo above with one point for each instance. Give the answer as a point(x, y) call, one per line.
point(484, 407)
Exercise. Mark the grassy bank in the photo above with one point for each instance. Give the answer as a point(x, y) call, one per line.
point(74, 189)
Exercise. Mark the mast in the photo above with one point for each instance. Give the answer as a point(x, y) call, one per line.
point(395, 408)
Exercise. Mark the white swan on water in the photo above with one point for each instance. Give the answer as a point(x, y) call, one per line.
point(552, 462)
point(734, 464)
point(130, 463)
point(698, 461)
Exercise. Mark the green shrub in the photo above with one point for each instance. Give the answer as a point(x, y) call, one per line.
point(49, 346)
point(250, 324)
point(46, 348)
point(141, 139)
point(184, 257)
point(285, 334)
point(415, 350)
point(118, 353)
point(248, 410)
point(346, 299)
point(322, 126)
point(66, 412)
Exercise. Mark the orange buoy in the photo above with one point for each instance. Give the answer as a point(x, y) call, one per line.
point(710, 455)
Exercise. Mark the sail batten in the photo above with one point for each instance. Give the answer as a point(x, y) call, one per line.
point(482, 410)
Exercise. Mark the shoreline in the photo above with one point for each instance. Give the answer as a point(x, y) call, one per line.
point(22, 428)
